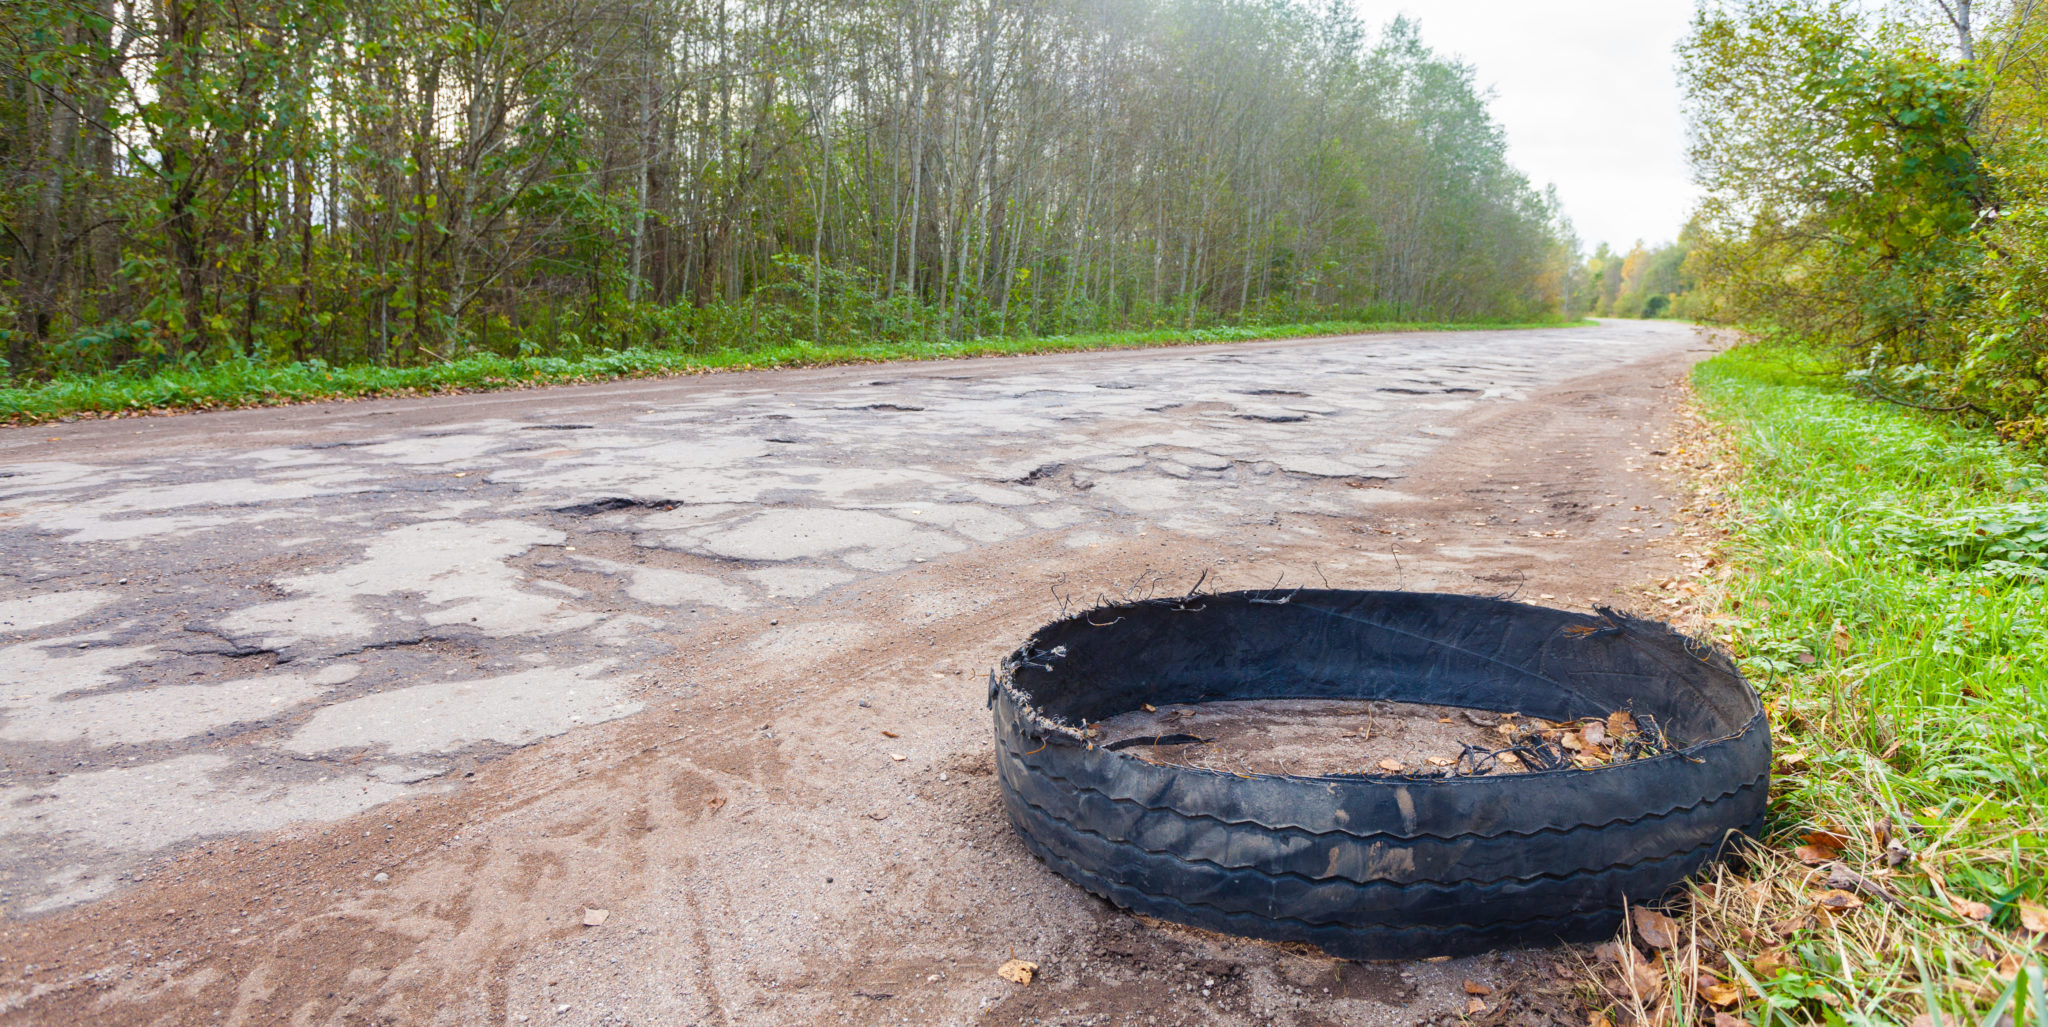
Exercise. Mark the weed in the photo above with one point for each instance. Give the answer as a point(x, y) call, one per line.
point(1887, 597)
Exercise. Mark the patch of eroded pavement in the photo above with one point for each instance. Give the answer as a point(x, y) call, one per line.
point(294, 624)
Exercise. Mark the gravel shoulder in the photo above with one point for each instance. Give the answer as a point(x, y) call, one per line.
point(365, 705)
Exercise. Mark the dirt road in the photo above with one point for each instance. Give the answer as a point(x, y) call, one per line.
point(347, 713)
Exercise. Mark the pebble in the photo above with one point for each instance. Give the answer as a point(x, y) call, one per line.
point(381, 877)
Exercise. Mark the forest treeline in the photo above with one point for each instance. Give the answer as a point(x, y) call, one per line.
point(1643, 282)
point(1876, 182)
point(401, 181)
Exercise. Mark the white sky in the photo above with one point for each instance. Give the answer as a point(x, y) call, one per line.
point(1588, 93)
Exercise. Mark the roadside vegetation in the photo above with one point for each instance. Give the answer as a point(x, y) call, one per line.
point(1876, 216)
point(1876, 186)
point(1884, 584)
point(246, 383)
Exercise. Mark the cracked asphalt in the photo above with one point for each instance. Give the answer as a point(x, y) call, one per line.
point(225, 633)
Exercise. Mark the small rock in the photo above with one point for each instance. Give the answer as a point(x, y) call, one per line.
point(594, 918)
point(381, 877)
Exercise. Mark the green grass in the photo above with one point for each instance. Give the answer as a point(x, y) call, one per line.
point(1888, 600)
point(253, 383)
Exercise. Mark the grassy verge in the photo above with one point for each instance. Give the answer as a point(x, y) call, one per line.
point(250, 383)
point(1884, 589)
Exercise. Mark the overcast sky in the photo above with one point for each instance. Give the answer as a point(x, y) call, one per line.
point(1588, 94)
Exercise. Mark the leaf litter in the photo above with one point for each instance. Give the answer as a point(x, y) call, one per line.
point(1329, 737)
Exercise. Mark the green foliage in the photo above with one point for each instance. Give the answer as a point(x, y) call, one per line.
point(1889, 601)
point(405, 182)
point(1872, 193)
point(1645, 283)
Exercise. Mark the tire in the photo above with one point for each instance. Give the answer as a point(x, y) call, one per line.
point(1379, 866)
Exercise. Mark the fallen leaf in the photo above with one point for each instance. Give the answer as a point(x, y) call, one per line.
point(1476, 988)
point(890, 734)
point(1510, 759)
point(1645, 979)
point(1607, 951)
point(1571, 741)
point(1017, 971)
point(596, 917)
point(1770, 961)
point(1789, 927)
point(1725, 1020)
point(1474, 1007)
point(1594, 733)
point(2008, 965)
point(1621, 722)
point(1970, 909)
point(2034, 917)
point(1599, 1019)
point(1836, 900)
point(1843, 643)
point(1149, 708)
point(716, 803)
point(1828, 837)
point(1656, 929)
point(898, 757)
point(1392, 766)
point(1717, 993)
point(1816, 855)
point(1442, 761)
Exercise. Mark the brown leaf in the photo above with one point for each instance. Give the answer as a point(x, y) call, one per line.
point(1828, 837)
point(2034, 917)
point(1607, 951)
point(1149, 708)
point(1843, 643)
point(1598, 1019)
point(716, 803)
point(1725, 1020)
point(1571, 741)
point(1769, 962)
point(1594, 733)
point(1656, 929)
point(1474, 1007)
point(1816, 855)
point(1621, 722)
point(1018, 971)
point(1392, 766)
point(1645, 979)
point(1720, 994)
point(1476, 988)
point(1442, 761)
point(1896, 854)
point(1970, 909)
point(1836, 900)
